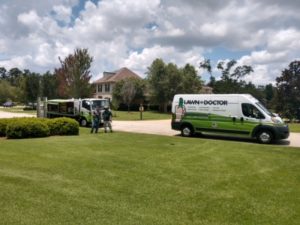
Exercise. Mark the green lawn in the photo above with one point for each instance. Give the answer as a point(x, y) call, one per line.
point(126, 179)
point(17, 109)
point(117, 115)
point(294, 127)
point(147, 115)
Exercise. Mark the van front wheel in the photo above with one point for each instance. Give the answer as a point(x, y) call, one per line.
point(264, 137)
point(83, 122)
point(187, 131)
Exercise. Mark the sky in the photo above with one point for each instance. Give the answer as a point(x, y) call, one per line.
point(132, 33)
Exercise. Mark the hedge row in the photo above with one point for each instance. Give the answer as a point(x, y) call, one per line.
point(37, 127)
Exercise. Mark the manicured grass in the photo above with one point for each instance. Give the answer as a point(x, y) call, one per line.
point(147, 115)
point(17, 109)
point(124, 178)
point(117, 115)
point(294, 127)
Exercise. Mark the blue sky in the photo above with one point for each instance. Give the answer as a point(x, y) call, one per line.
point(263, 34)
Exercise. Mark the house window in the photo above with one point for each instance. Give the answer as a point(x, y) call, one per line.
point(107, 88)
point(99, 88)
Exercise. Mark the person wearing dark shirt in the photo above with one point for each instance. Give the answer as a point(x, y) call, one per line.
point(96, 120)
point(107, 118)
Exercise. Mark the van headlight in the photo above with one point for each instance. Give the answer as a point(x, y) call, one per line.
point(276, 120)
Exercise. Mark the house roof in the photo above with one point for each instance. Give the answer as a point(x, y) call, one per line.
point(117, 76)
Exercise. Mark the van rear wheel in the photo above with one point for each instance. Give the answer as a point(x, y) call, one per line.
point(187, 131)
point(265, 137)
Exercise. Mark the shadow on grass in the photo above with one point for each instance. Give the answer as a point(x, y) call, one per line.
point(238, 139)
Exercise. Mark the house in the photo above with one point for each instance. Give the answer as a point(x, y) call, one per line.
point(206, 90)
point(105, 85)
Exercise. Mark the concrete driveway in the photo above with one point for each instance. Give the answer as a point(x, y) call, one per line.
point(163, 127)
point(160, 127)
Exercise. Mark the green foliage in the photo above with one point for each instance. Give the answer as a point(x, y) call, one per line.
point(63, 126)
point(7, 91)
point(288, 96)
point(25, 86)
point(128, 91)
point(74, 75)
point(49, 86)
point(31, 86)
point(37, 127)
point(14, 76)
point(166, 80)
point(3, 125)
point(26, 128)
point(191, 81)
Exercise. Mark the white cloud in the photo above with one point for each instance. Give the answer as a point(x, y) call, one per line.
point(62, 13)
point(134, 33)
point(17, 61)
point(140, 61)
point(29, 19)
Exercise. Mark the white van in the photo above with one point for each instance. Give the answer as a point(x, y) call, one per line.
point(226, 114)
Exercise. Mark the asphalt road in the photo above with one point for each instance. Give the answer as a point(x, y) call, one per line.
point(163, 127)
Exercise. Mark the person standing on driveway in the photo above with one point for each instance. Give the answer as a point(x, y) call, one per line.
point(96, 120)
point(107, 118)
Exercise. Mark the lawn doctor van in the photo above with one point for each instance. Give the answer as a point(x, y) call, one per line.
point(226, 114)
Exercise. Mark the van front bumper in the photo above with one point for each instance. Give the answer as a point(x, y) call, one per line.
point(282, 132)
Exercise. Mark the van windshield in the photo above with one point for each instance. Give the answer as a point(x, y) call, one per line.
point(264, 109)
point(101, 103)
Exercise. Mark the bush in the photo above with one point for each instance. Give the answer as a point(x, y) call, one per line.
point(37, 127)
point(27, 128)
point(3, 125)
point(63, 126)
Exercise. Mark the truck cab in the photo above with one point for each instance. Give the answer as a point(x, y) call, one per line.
point(78, 109)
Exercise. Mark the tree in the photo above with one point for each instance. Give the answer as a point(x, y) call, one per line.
point(206, 65)
point(31, 86)
point(14, 76)
point(269, 93)
point(157, 78)
point(288, 96)
point(3, 73)
point(49, 85)
point(192, 83)
point(128, 91)
point(231, 76)
point(74, 75)
point(7, 91)
point(167, 80)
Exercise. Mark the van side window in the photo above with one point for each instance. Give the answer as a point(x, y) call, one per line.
point(251, 111)
point(86, 105)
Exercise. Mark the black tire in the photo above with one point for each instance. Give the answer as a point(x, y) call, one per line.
point(83, 122)
point(265, 137)
point(187, 131)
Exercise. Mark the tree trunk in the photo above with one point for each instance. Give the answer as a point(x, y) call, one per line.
point(165, 107)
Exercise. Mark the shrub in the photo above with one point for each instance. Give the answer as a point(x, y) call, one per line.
point(3, 125)
point(27, 128)
point(63, 126)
